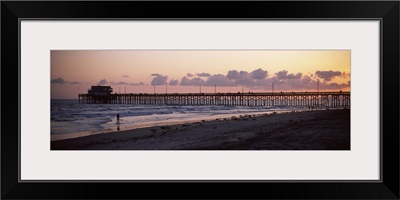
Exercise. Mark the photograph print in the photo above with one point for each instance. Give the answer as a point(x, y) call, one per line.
point(200, 100)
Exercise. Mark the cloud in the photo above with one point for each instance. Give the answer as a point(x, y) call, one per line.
point(232, 74)
point(283, 83)
point(305, 83)
point(59, 80)
point(327, 75)
point(137, 84)
point(345, 75)
point(258, 79)
point(102, 82)
point(219, 80)
point(125, 76)
point(189, 75)
point(203, 74)
point(241, 77)
point(118, 83)
point(159, 79)
point(174, 82)
point(194, 81)
point(259, 74)
point(232, 78)
point(284, 75)
point(333, 86)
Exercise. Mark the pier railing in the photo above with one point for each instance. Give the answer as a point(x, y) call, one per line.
point(330, 99)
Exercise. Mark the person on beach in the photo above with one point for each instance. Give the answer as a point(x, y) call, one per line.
point(117, 116)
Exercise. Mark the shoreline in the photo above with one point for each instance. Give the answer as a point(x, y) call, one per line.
point(167, 122)
point(305, 130)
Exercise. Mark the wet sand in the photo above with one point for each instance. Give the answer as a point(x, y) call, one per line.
point(311, 130)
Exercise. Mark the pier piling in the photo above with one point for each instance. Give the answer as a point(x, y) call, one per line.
point(316, 99)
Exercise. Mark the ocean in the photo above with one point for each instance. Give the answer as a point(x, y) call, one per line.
point(69, 118)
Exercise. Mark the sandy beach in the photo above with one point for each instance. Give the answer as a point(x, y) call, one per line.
point(310, 130)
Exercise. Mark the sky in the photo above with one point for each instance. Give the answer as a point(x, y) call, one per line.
point(194, 71)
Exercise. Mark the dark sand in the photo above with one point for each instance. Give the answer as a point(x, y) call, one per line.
point(312, 130)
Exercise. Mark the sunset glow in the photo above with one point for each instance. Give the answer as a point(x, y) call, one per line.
point(192, 71)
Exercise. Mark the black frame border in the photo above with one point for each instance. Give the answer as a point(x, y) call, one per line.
point(386, 11)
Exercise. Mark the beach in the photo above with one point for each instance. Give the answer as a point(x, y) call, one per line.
point(307, 130)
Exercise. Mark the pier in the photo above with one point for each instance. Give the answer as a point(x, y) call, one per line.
point(316, 99)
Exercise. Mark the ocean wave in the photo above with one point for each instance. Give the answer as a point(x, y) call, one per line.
point(68, 116)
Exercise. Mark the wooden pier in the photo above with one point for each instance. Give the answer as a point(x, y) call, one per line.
point(316, 99)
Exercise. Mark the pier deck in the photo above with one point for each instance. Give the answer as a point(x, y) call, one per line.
point(331, 99)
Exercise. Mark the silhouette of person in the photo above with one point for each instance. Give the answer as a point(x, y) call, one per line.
point(117, 116)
